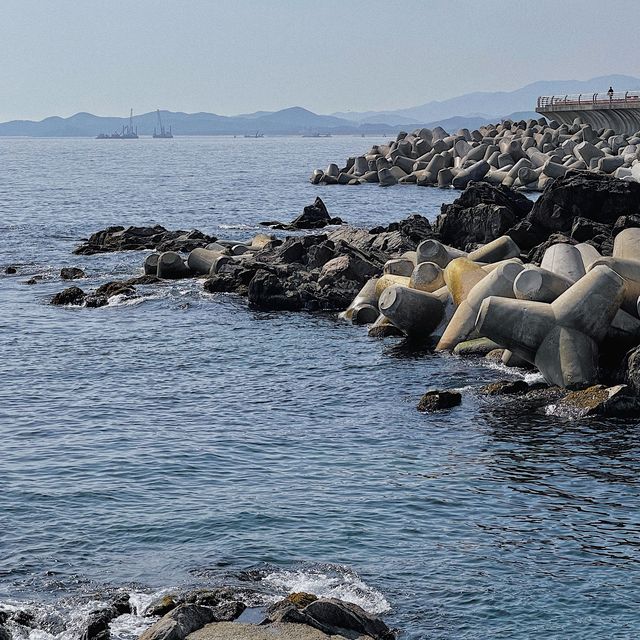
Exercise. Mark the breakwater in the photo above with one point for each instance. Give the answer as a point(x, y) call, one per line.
point(525, 155)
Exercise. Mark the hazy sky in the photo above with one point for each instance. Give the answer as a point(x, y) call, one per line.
point(59, 57)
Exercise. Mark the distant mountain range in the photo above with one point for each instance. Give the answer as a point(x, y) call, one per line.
point(470, 110)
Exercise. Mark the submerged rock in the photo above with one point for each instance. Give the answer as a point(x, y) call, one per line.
point(11, 270)
point(505, 387)
point(437, 400)
point(71, 273)
point(617, 401)
point(71, 296)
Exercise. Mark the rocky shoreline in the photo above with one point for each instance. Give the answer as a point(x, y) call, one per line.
point(551, 286)
point(527, 155)
point(219, 613)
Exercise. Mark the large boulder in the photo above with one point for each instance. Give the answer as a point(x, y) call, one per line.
point(187, 618)
point(330, 615)
point(71, 296)
point(579, 195)
point(482, 213)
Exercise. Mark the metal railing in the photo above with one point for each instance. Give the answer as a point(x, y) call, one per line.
point(597, 99)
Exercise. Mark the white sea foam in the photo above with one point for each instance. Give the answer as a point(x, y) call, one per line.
point(330, 582)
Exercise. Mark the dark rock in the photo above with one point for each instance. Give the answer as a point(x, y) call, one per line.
point(314, 216)
point(329, 615)
point(437, 400)
point(268, 291)
point(4, 616)
point(24, 618)
point(224, 283)
point(505, 387)
point(617, 401)
point(582, 194)
point(625, 222)
point(71, 273)
point(121, 605)
point(495, 355)
point(10, 270)
point(584, 229)
point(482, 213)
point(178, 623)
point(70, 296)
point(4, 634)
point(537, 253)
point(162, 605)
point(118, 238)
point(31, 281)
point(98, 621)
point(115, 288)
point(630, 370)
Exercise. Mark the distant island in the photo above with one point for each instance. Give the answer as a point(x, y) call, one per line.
point(470, 111)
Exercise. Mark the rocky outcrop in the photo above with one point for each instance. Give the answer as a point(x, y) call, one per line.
point(329, 615)
point(178, 623)
point(97, 627)
point(314, 216)
point(582, 205)
point(75, 296)
point(482, 213)
point(71, 296)
point(118, 238)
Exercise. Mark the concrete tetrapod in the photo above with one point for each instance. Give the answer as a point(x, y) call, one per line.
point(460, 276)
point(366, 297)
point(171, 266)
point(427, 276)
point(589, 254)
point(151, 264)
point(434, 251)
point(560, 339)
point(540, 285)
point(201, 260)
point(417, 313)
point(565, 260)
point(462, 325)
point(629, 270)
point(501, 248)
point(626, 245)
point(387, 280)
point(399, 267)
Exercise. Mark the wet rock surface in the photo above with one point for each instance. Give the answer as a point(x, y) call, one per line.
point(118, 238)
point(71, 273)
point(439, 400)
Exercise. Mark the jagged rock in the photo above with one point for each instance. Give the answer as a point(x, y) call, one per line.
point(329, 615)
point(584, 229)
point(178, 623)
point(437, 400)
point(117, 238)
point(481, 214)
point(617, 401)
point(314, 216)
point(505, 387)
point(97, 627)
point(162, 605)
point(74, 296)
point(385, 242)
point(537, 253)
point(597, 197)
point(71, 273)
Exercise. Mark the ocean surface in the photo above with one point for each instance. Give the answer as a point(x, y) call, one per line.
point(181, 439)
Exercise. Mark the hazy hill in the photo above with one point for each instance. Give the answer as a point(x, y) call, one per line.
point(494, 105)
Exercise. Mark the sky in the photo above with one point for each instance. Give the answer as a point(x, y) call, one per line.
point(59, 57)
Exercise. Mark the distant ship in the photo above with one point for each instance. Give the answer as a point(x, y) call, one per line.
point(257, 134)
point(161, 132)
point(316, 135)
point(128, 132)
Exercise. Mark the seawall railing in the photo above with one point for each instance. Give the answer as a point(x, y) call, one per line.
point(605, 100)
